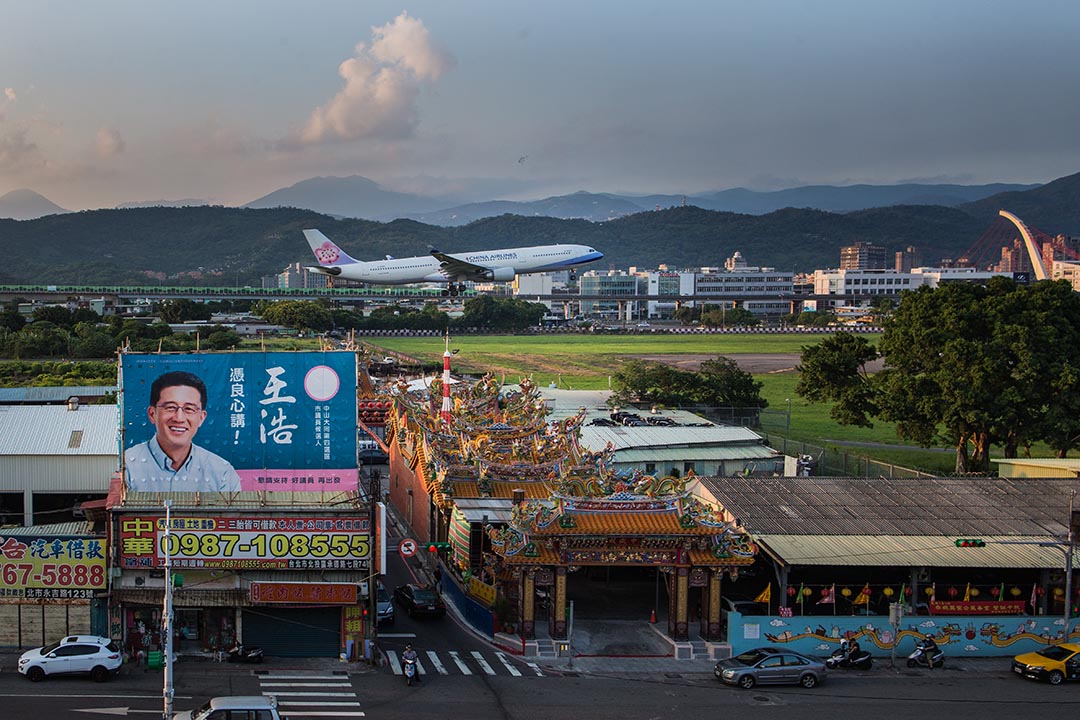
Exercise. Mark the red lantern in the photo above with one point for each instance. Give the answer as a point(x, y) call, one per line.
point(791, 591)
point(824, 592)
point(907, 592)
point(953, 592)
point(1040, 591)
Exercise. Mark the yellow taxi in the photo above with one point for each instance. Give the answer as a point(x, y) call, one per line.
point(1053, 663)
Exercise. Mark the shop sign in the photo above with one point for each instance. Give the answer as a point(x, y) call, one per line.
point(276, 421)
point(482, 591)
point(324, 593)
point(978, 607)
point(51, 567)
point(247, 542)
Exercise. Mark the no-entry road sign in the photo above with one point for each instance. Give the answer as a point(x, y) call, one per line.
point(407, 547)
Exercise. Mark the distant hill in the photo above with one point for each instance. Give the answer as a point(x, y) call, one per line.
point(187, 202)
point(27, 205)
point(596, 207)
point(1053, 208)
point(353, 196)
point(359, 197)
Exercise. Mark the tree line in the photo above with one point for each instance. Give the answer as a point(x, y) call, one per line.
point(976, 366)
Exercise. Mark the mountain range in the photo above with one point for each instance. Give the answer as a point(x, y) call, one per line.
point(214, 245)
point(358, 197)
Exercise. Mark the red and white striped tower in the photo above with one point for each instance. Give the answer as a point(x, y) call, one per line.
point(446, 383)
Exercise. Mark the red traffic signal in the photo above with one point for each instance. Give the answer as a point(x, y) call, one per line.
point(433, 548)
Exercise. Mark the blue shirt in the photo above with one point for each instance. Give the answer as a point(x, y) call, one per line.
point(149, 469)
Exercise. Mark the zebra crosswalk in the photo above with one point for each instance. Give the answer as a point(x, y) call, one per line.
point(466, 663)
point(312, 696)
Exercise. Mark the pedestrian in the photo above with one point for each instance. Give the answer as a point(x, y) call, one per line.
point(438, 578)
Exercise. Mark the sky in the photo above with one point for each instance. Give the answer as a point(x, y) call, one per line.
point(118, 101)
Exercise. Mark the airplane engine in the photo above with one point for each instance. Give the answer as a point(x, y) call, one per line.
point(505, 274)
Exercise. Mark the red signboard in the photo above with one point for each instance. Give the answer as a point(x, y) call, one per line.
point(977, 607)
point(307, 593)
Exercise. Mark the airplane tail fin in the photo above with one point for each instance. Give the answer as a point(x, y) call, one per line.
point(326, 252)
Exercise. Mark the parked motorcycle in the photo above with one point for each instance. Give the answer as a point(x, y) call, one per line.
point(409, 668)
point(842, 658)
point(920, 657)
point(239, 653)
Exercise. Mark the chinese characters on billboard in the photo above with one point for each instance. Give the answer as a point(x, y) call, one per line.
point(226, 422)
point(51, 567)
point(247, 542)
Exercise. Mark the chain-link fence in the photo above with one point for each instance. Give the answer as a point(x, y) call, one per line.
point(775, 425)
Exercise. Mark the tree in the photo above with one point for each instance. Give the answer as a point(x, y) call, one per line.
point(723, 384)
point(834, 371)
point(181, 310)
point(299, 315)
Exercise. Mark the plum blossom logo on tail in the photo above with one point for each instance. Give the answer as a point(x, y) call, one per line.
point(327, 254)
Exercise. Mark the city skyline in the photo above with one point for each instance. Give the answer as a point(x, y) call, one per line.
point(120, 102)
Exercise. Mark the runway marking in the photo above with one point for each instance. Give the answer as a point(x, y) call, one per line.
point(508, 665)
point(460, 663)
point(482, 662)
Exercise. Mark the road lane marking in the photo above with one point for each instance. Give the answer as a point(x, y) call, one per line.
point(305, 684)
point(312, 703)
point(536, 668)
point(310, 694)
point(392, 658)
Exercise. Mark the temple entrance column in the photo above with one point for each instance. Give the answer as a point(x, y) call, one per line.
point(680, 590)
point(712, 610)
point(527, 611)
point(558, 627)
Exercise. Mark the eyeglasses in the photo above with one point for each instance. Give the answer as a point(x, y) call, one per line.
point(173, 408)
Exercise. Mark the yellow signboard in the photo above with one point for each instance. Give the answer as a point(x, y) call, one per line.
point(51, 567)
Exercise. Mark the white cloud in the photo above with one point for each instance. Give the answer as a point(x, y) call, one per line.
point(17, 152)
point(381, 86)
point(9, 93)
point(109, 143)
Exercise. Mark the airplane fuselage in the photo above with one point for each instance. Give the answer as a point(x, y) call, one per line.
point(500, 265)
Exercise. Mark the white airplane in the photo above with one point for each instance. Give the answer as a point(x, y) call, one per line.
point(453, 269)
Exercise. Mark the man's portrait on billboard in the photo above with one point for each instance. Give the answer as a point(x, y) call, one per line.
point(170, 460)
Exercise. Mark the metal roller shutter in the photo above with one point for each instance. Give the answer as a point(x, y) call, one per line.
point(294, 632)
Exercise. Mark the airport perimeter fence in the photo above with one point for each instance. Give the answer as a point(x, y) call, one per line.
point(833, 461)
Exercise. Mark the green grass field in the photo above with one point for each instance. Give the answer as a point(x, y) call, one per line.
point(585, 362)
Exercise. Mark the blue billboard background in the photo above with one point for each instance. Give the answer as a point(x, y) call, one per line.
point(273, 415)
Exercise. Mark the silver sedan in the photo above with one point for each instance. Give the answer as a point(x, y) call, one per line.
point(770, 666)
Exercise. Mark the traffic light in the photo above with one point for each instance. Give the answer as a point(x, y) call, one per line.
point(437, 546)
point(970, 542)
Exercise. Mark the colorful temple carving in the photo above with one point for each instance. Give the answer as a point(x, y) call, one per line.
point(563, 508)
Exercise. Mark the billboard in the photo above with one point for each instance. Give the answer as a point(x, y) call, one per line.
point(264, 542)
point(225, 422)
point(51, 567)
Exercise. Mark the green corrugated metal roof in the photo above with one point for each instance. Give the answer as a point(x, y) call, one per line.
point(724, 452)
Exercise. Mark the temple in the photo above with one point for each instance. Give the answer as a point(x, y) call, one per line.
point(523, 505)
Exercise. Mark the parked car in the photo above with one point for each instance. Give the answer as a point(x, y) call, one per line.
point(1053, 663)
point(419, 601)
point(384, 606)
point(767, 666)
point(249, 707)
point(98, 656)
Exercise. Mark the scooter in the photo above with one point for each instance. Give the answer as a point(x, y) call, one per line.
point(919, 657)
point(841, 658)
point(239, 653)
point(409, 669)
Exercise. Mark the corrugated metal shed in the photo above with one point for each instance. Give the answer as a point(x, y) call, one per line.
point(723, 452)
point(959, 507)
point(649, 436)
point(1038, 467)
point(55, 430)
point(76, 529)
point(57, 394)
point(908, 551)
point(497, 510)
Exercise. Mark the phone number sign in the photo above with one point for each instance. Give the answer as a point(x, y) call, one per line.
point(248, 542)
point(51, 567)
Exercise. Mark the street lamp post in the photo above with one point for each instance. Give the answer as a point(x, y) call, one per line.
point(787, 429)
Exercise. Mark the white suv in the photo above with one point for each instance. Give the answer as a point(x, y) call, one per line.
point(98, 656)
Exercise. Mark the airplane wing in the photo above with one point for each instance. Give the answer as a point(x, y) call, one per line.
point(457, 268)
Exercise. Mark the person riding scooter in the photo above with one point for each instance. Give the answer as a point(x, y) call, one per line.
point(930, 649)
point(409, 661)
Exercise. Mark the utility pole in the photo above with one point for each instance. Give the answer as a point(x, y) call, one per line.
point(167, 617)
point(374, 486)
